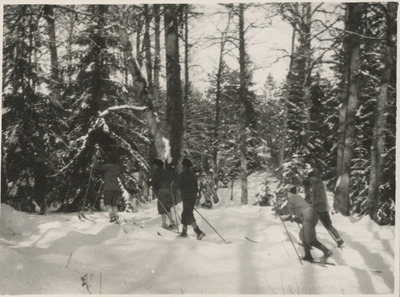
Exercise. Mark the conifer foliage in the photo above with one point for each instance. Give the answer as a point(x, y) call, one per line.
point(84, 80)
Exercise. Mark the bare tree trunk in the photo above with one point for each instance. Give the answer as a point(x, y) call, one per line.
point(215, 138)
point(147, 47)
point(157, 60)
point(349, 105)
point(51, 31)
point(175, 111)
point(378, 140)
point(305, 40)
point(243, 99)
point(141, 85)
point(285, 110)
point(139, 25)
point(187, 82)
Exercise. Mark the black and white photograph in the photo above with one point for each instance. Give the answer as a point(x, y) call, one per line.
point(189, 148)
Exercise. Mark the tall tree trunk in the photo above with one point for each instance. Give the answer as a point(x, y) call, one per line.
point(243, 99)
point(215, 138)
point(51, 31)
point(187, 82)
point(378, 140)
point(157, 60)
point(141, 85)
point(348, 108)
point(285, 109)
point(147, 47)
point(139, 25)
point(174, 87)
point(305, 40)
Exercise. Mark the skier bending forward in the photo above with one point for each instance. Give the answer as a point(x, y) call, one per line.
point(306, 215)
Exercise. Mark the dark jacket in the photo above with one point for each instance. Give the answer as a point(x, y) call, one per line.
point(318, 196)
point(111, 173)
point(160, 179)
point(187, 183)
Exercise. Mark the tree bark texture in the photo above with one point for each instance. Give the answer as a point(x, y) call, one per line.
point(378, 140)
point(147, 47)
point(348, 108)
point(175, 111)
point(51, 31)
point(143, 93)
point(187, 82)
point(285, 110)
point(242, 98)
point(157, 50)
point(305, 45)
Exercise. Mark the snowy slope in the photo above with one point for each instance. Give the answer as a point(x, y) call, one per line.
point(59, 254)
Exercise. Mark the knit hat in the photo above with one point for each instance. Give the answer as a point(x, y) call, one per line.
point(312, 173)
point(187, 163)
point(158, 162)
point(292, 189)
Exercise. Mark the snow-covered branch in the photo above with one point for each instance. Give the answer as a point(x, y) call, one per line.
point(132, 107)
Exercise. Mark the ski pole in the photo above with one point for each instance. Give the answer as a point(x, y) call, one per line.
point(173, 201)
point(177, 228)
point(287, 232)
point(329, 231)
point(211, 226)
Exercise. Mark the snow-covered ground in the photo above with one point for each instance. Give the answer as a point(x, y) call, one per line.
point(59, 254)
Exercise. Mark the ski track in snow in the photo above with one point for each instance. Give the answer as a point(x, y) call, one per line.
point(59, 254)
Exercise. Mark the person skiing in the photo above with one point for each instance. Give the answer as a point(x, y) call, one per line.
point(320, 203)
point(161, 181)
point(111, 187)
point(188, 184)
point(305, 214)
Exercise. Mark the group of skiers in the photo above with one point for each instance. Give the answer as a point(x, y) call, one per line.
point(163, 185)
point(308, 213)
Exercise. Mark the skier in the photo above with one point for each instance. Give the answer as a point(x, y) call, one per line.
point(305, 214)
point(161, 181)
point(111, 188)
point(320, 204)
point(187, 183)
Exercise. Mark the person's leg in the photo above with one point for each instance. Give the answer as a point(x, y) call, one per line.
point(308, 234)
point(306, 246)
point(200, 234)
point(185, 222)
point(184, 231)
point(326, 221)
point(324, 249)
point(114, 204)
point(108, 197)
point(161, 201)
point(169, 206)
point(164, 221)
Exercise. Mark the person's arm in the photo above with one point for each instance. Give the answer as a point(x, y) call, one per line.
point(177, 183)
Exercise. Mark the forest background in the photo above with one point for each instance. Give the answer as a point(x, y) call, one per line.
point(171, 81)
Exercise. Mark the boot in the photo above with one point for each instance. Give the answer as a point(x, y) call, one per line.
point(320, 246)
point(307, 257)
point(184, 232)
point(200, 234)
